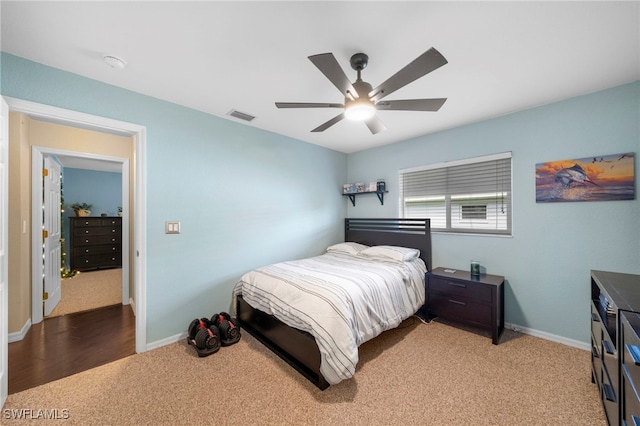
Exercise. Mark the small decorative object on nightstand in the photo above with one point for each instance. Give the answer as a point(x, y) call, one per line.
point(475, 268)
point(476, 300)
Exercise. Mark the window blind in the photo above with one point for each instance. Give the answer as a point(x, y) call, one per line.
point(468, 196)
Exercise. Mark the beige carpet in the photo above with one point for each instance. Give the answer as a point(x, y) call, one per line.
point(419, 374)
point(89, 290)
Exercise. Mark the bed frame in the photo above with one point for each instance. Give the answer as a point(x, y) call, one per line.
point(299, 348)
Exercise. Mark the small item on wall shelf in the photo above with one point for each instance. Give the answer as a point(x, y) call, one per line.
point(381, 186)
point(360, 187)
point(475, 268)
point(349, 188)
point(373, 186)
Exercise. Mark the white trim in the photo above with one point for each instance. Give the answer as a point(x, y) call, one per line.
point(548, 336)
point(167, 341)
point(19, 335)
point(453, 163)
point(132, 303)
point(36, 237)
point(88, 121)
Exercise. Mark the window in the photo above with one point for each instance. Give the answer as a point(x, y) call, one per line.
point(466, 196)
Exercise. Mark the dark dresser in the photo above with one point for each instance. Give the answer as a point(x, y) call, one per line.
point(95, 242)
point(473, 300)
point(615, 344)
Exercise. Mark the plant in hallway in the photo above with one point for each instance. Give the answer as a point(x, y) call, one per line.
point(82, 209)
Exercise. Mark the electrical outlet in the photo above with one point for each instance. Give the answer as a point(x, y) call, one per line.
point(172, 227)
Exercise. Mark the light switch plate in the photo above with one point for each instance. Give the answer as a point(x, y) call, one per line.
point(172, 227)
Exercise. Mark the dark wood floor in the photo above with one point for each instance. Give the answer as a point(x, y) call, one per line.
point(61, 346)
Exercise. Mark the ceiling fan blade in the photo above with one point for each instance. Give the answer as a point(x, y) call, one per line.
point(375, 125)
point(330, 67)
point(307, 105)
point(411, 105)
point(421, 66)
point(325, 126)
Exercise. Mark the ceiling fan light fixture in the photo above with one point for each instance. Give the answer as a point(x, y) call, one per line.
point(359, 110)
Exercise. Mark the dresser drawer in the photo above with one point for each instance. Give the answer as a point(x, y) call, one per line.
point(609, 397)
point(98, 260)
point(630, 359)
point(102, 230)
point(630, 402)
point(96, 239)
point(460, 309)
point(96, 249)
point(454, 287)
point(86, 221)
point(596, 327)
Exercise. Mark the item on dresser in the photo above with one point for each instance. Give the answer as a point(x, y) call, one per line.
point(476, 300)
point(298, 339)
point(475, 268)
point(615, 345)
point(95, 242)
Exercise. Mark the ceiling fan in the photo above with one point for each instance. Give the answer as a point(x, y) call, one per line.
point(361, 100)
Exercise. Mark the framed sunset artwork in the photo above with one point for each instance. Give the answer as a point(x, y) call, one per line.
point(601, 178)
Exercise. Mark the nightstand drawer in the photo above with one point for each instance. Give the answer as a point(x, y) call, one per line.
point(454, 287)
point(460, 309)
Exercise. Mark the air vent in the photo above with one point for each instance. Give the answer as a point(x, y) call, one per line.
point(240, 115)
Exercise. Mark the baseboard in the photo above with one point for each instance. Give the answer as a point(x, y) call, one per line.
point(19, 335)
point(167, 341)
point(548, 336)
point(515, 327)
point(133, 306)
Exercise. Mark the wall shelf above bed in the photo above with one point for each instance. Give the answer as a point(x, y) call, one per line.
point(380, 194)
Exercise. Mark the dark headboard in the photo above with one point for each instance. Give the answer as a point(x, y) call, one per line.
point(413, 233)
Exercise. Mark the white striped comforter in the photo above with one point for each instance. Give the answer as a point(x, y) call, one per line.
point(341, 300)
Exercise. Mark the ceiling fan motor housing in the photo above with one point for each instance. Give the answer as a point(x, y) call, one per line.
point(359, 61)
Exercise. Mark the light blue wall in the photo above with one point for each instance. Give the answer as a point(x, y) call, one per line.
point(554, 246)
point(102, 189)
point(245, 197)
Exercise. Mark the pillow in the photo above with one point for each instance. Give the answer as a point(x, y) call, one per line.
point(401, 254)
point(347, 248)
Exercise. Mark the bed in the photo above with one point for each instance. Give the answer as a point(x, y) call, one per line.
point(295, 343)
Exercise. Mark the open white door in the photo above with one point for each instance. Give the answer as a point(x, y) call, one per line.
point(4, 247)
point(51, 235)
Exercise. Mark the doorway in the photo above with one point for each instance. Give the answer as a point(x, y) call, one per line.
point(101, 124)
point(91, 261)
point(80, 160)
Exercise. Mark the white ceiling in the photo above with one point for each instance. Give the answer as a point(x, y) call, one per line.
point(216, 56)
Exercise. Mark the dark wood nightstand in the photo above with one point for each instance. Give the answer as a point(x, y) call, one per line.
point(473, 300)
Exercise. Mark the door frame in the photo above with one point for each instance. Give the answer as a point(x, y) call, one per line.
point(139, 133)
point(38, 153)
